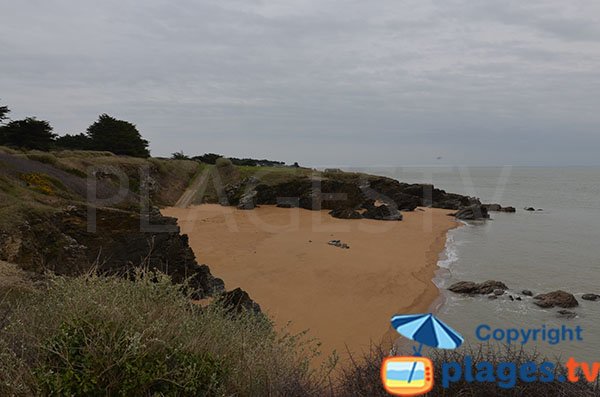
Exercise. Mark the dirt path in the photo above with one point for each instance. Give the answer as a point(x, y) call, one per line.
point(199, 183)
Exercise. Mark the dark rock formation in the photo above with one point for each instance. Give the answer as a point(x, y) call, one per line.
point(498, 291)
point(472, 212)
point(472, 288)
point(238, 300)
point(63, 243)
point(529, 209)
point(248, 201)
point(492, 207)
point(566, 314)
point(382, 212)
point(556, 298)
point(527, 292)
point(351, 192)
point(590, 297)
point(345, 213)
point(498, 208)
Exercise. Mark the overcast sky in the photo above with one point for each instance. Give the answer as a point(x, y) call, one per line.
point(356, 83)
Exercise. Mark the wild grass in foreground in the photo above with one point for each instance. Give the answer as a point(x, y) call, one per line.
point(101, 336)
point(361, 378)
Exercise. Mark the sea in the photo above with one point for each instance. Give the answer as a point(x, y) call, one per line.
point(556, 247)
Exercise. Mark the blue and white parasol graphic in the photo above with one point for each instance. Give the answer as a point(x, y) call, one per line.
point(426, 329)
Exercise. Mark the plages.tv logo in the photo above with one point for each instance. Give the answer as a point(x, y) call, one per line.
point(413, 375)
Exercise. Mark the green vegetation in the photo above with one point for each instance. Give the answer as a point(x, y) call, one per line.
point(29, 133)
point(211, 158)
point(179, 156)
point(117, 136)
point(94, 335)
point(4, 110)
point(108, 134)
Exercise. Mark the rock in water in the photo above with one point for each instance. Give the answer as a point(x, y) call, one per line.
point(566, 314)
point(492, 207)
point(556, 298)
point(529, 209)
point(469, 287)
point(527, 292)
point(590, 297)
point(472, 212)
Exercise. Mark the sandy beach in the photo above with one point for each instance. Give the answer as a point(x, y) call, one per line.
point(344, 297)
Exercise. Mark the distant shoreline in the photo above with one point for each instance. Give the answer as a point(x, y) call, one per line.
point(282, 258)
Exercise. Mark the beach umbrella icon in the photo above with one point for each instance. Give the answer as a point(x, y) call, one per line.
point(426, 329)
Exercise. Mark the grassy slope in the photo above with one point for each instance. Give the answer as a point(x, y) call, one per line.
point(41, 181)
point(95, 335)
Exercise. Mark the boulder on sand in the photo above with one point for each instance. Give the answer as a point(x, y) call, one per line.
point(472, 288)
point(345, 213)
point(383, 212)
point(248, 201)
point(556, 298)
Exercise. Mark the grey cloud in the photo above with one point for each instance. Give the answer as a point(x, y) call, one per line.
point(336, 82)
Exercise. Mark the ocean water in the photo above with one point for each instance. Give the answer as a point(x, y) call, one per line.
point(542, 251)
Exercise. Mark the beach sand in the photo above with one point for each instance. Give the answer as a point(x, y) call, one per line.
point(344, 297)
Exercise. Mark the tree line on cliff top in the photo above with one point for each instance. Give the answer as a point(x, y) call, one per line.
point(105, 134)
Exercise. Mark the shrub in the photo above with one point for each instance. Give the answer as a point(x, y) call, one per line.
point(42, 158)
point(95, 335)
point(39, 182)
point(223, 162)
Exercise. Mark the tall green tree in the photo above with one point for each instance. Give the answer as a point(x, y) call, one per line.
point(29, 133)
point(117, 136)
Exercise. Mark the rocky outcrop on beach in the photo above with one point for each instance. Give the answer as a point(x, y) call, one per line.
point(472, 213)
point(345, 213)
point(472, 288)
point(248, 201)
point(383, 212)
point(347, 195)
point(556, 298)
